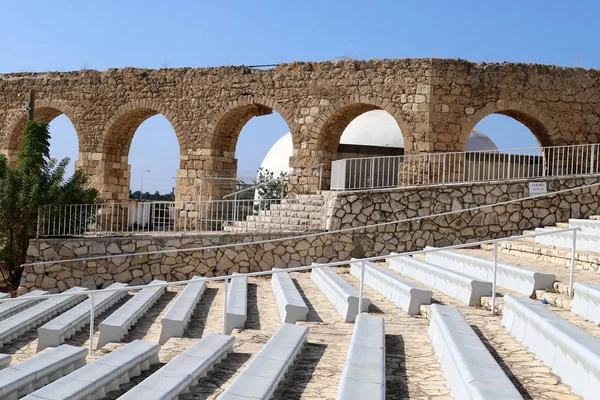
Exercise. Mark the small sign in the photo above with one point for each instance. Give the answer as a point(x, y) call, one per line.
point(537, 188)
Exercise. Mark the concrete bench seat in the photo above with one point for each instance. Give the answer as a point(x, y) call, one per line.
point(340, 293)
point(470, 370)
point(55, 332)
point(4, 295)
point(364, 371)
point(237, 302)
point(291, 305)
point(5, 360)
point(14, 307)
point(103, 375)
point(586, 225)
point(39, 371)
point(116, 326)
point(16, 325)
point(263, 374)
point(184, 370)
point(406, 295)
point(520, 280)
point(465, 288)
point(179, 314)
point(571, 353)
point(586, 240)
point(586, 302)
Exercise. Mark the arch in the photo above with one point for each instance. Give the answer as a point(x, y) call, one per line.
point(543, 128)
point(228, 122)
point(46, 111)
point(331, 124)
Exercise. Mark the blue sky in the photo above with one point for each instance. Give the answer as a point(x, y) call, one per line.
point(70, 35)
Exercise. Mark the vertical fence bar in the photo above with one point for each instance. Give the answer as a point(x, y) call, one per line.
point(362, 286)
point(91, 297)
point(225, 290)
point(494, 278)
point(572, 272)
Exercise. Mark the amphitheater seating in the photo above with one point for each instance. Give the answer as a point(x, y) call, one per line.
point(586, 225)
point(340, 293)
point(16, 325)
point(403, 293)
point(178, 316)
point(463, 287)
point(13, 307)
point(586, 301)
point(5, 360)
point(470, 370)
point(364, 371)
point(586, 240)
point(36, 372)
point(261, 377)
point(103, 375)
point(237, 302)
point(291, 305)
point(184, 370)
point(572, 354)
point(520, 280)
point(115, 326)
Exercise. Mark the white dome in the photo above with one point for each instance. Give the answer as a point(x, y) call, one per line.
point(277, 159)
point(478, 141)
point(373, 128)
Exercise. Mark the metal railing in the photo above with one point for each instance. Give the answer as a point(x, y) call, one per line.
point(460, 167)
point(262, 215)
point(91, 293)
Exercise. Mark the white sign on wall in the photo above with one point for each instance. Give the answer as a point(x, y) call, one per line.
point(537, 188)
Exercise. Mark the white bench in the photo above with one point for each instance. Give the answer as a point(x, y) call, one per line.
point(463, 287)
point(520, 280)
point(403, 293)
point(237, 302)
point(115, 326)
point(586, 225)
point(13, 307)
point(340, 293)
point(183, 371)
point(37, 372)
point(261, 377)
point(16, 325)
point(55, 332)
point(586, 301)
point(364, 371)
point(470, 370)
point(103, 375)
point(179, 314)
point(572, 354)
point(5, 360)
point(291, 305)
point(586, 240)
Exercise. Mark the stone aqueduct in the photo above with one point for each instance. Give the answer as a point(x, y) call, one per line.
point(436, 103)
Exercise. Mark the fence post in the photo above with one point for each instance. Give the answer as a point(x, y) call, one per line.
point(91, 297)
point(592, 159)
point(362, 284)
point(225, 288)
point(494, 278)
point(372, 173)
point(185, 213)
point(444, 168)
point(572, 272)
point(39, 221)
point(509, 166)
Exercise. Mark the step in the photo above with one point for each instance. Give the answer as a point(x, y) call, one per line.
point(584, 241)
point(116, 325)
point(470, 370)
point(237, 304)
point(55, 332)
point(183, 371)
point(267, 369)
point(465, 288)
point(586, 302)
point(339, 292)
point(38, 371)
point(13, 327)
point(572, 354)
point(290, 303)
point(406, 295)
point(14, 307)
point(5, 360)
point(520, 280)
point(179, 314)
point(103, 375)
point(363, 376)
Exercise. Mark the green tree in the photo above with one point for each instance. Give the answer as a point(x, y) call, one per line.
point(270, 189)
point(36, 180)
